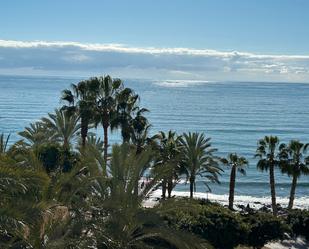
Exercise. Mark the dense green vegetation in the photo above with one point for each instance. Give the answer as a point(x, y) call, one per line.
point(223, 228)
point(62, 186)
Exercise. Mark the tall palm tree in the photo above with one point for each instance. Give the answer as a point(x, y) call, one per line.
point(127, 107)
point(294, 164)
point(106, 89)
point(199, 159)
point(236, 163)
point(81, 100)
point(170, 155)
point(139, 129)
point(267, 151)
point(63, 126)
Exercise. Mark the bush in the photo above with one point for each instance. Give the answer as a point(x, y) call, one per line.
point(225, 229)
point(218, 225)
point(264, 227)
point(54, 157)
point(50, 156)
point(68, 160)
point(298, 220)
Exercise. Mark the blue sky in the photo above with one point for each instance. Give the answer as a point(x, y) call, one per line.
point(258, 27)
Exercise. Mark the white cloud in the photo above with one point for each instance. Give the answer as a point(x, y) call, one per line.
point(73, 58)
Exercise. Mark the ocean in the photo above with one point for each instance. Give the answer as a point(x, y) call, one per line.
point(234, 114)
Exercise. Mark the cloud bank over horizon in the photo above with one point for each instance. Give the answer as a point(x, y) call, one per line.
point(85, 59)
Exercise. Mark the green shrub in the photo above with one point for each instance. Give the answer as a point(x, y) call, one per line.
point(68, 159)
point(225, 229)
point(54, 157)
point(298, 220)
point(264, 227)
point(214, 223)
point(50, 156)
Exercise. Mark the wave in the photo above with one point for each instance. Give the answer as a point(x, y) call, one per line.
point(251, 183)
point(181, 83)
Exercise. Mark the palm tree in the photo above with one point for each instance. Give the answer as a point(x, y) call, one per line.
point(127, 168)
point(235, 162)
point(81, 100)
point(21, 192)
point(199, 159)
point(86, 207)
point(169, 157)
point(106, 104)
point(63, 126)
point(36, 134)
point(138, 129)
point(127, 102)
point(268, 154)
point(294, 164)
point(96, 143)
point(117, 219)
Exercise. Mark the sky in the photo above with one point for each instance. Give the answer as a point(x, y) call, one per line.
point(247, 40)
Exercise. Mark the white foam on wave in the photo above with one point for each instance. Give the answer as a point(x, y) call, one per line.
point(253, 201)
point(181, 83)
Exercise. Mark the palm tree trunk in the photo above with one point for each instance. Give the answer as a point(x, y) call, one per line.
point(170, 187)
point(139, 149)
point(65, 144)
point(292, 193)
point(272, 189)
point(232, 187)
point(84, 131)
point(105, 131)
point(163, 189)
point(135, 191)
point(192, 180)
point(66, 165)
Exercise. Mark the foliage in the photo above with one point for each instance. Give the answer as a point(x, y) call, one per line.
point(268, 153)
point(221, 227)
point(107, 213)
point(236, 163)
point(198, 159)
point(50, 156)
point(20, 206)
point(299, 222)
point(63, 126)
point(80, 101)
point(105, 89)
point(4, 143)
point(294, 163)
point(57, 193)
point(264, 228)
point(169, 157)
point(36, 134)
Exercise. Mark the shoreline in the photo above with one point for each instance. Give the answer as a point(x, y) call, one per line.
point(240, 200)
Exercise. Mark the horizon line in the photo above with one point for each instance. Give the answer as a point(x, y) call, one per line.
point(152, 79)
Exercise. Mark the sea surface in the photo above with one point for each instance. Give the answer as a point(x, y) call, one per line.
point(234, 114)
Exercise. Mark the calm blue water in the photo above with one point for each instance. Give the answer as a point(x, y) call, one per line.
point(235, 115)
